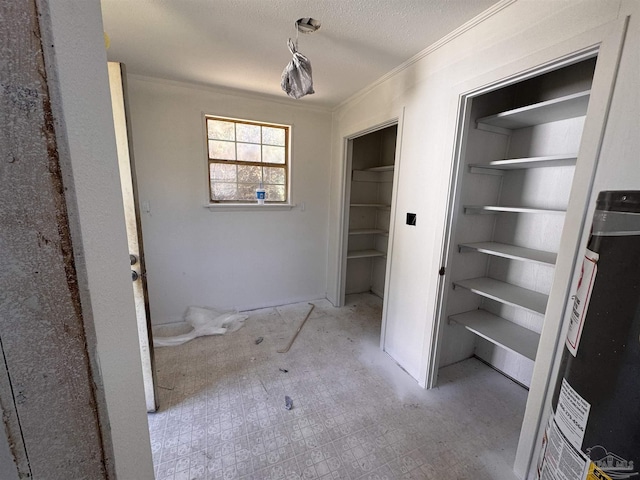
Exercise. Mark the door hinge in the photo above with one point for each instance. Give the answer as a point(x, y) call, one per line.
point(441, 271)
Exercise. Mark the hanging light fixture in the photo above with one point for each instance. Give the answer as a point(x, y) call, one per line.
point(297, 80)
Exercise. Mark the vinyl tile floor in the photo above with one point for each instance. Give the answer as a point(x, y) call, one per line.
point(355, 415)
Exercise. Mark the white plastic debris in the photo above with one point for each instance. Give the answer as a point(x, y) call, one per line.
point(296, 77)
point(198, 322)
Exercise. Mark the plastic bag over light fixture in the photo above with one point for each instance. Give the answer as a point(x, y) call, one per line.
point(296, 77)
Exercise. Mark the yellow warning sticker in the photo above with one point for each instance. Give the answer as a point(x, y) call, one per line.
point(595, 473)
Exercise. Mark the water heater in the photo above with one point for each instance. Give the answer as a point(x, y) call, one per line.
point(594, 431)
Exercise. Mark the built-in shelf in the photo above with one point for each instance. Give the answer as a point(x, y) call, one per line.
point(371, 205)
point(510, 251)
point(506, 293)
point(562, 108)
point(365, 254)
point(371, 158)
point(499, 331)
point(382, 168)
point(496, 167)
point(368, 231)
point(490, 209)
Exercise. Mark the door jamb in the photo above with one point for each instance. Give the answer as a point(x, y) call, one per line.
point(344, 217)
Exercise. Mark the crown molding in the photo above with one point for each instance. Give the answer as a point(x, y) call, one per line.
point(490, 12)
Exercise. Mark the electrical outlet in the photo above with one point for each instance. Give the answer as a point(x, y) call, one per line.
point(411, 219)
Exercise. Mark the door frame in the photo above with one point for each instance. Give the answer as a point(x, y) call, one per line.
point(345, 210)
point(453, 197)
point(606, 43)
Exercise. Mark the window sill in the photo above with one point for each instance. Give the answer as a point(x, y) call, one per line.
point(248, 207)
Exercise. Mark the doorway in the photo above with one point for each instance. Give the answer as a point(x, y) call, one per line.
point(368, 218)
point(509, 204)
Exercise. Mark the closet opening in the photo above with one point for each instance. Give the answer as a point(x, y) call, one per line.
point(370, 164)
point(517, 153)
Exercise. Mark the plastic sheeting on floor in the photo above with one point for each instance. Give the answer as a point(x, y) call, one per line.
point(198, 322)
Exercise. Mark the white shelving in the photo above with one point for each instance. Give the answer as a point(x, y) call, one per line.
point(370, 205)
point(492, 209)
point(372, 158)
point(500, 332)
point(365, 253)
point(513, 252)
point(506, 293)
point(497, 167)
point(382, 168)
point(562, 108)
point(368, 231)
point(513, 182)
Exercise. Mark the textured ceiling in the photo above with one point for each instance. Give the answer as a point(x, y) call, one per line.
point(242, 44)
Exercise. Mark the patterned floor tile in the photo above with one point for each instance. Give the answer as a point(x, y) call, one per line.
point(355, 413)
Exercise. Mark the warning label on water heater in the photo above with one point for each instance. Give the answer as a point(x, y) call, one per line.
point(561, 461)
point(572, 414)
point(561, 454)
point(581, 300)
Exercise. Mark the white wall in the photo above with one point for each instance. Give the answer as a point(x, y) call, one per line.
point(518, 37)
point(247, 258)
point(100, 245)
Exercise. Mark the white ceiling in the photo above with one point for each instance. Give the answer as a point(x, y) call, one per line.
point(242, 44)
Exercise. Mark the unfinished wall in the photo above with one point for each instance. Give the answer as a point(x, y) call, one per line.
point(98, 226)
point(242, 258)
point(51, 410)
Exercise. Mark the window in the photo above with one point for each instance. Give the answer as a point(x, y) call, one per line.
point(242, 155)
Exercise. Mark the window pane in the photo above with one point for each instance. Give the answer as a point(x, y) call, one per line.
point(232, 146)
point(248, 152)
point(222, 172)
point(249, 175)
point(247, 191)
point(274, 175)
point(273, 136)
point(223, 191)
point(219, 130)
point(222, 150)
point(248, 133)
point(272, 154)
point(275, 193)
